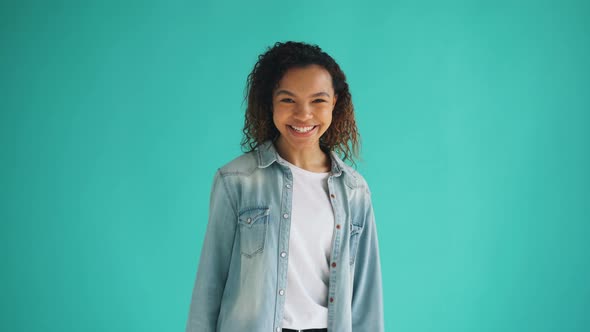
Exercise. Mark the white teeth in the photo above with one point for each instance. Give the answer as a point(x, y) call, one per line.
point(303, 129)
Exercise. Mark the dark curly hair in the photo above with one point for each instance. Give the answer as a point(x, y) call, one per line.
point(342, 136)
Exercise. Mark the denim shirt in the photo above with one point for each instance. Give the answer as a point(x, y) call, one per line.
point(242, 273)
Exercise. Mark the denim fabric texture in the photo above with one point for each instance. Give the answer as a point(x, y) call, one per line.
point(242, 272)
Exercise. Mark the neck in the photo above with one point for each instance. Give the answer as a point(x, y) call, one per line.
point(310, 158)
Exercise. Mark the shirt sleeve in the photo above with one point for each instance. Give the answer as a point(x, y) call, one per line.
point(367, 294)
point(214, 261)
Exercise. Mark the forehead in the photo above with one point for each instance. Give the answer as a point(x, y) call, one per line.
point(308, 78)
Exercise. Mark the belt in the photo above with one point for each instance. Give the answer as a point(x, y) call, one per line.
point(309, 330)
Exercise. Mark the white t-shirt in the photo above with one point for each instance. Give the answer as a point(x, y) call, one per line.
point(310, 246)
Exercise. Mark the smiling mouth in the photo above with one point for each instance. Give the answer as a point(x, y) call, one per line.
point(302, 130)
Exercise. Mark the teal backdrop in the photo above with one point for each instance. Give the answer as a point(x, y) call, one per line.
point(475, 124)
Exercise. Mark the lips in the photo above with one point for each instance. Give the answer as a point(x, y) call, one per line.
point(303, 129)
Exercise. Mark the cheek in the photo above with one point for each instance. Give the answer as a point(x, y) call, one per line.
point(282, 108)
point(278, 116)
point(327, 116)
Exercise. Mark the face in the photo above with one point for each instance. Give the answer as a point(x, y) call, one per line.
point(302, 106)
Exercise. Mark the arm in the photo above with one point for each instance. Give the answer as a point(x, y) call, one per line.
point(214, 262)
point(367, 297)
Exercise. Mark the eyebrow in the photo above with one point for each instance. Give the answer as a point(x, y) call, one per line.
point(322, 93)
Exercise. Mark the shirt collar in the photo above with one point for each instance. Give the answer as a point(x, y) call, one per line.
point(267, 154)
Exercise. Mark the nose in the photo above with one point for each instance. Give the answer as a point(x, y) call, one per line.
point(302, 111)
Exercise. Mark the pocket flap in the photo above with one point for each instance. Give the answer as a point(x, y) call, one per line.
point(355, 228)
point(252, 216)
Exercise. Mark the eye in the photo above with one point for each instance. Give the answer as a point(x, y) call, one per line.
point(286, 100)
point(319, 101)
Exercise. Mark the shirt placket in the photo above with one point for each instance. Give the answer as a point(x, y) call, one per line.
point(284, 231)
point(335, 255)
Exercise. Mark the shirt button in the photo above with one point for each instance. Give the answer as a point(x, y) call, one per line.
point(283, 254)
point(331, 299)
point(332, 195)
point(281, 292)
point(333, 264)
point(288, 186)
point(338, 226)
point(286, 215)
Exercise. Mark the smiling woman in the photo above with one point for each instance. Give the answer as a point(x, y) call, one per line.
point(301, 121)
point(311, 81)
point(291, 242)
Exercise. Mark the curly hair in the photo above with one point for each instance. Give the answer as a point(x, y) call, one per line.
point(342, 136)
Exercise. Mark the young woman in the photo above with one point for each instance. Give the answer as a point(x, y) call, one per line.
point(291, 242)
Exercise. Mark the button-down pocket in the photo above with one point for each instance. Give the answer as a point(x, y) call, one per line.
point(253, 223)
point(355, 233)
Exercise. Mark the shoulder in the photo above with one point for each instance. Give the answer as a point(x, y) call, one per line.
point(233, 175)
point(352, 177)
point(361, 182)
point(244, 164)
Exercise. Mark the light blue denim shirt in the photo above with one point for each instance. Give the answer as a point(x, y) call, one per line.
point(242, 273)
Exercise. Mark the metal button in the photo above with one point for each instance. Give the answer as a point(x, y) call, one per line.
point(286, 215)
point(283, 254)
point(281, 292)
point(249, 220)
point(288, 186)
point(332, 195)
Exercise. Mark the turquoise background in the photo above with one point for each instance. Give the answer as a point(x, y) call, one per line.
point(474, 117)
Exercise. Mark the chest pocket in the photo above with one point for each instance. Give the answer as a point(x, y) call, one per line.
point(355, 233)
point(253, 223)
